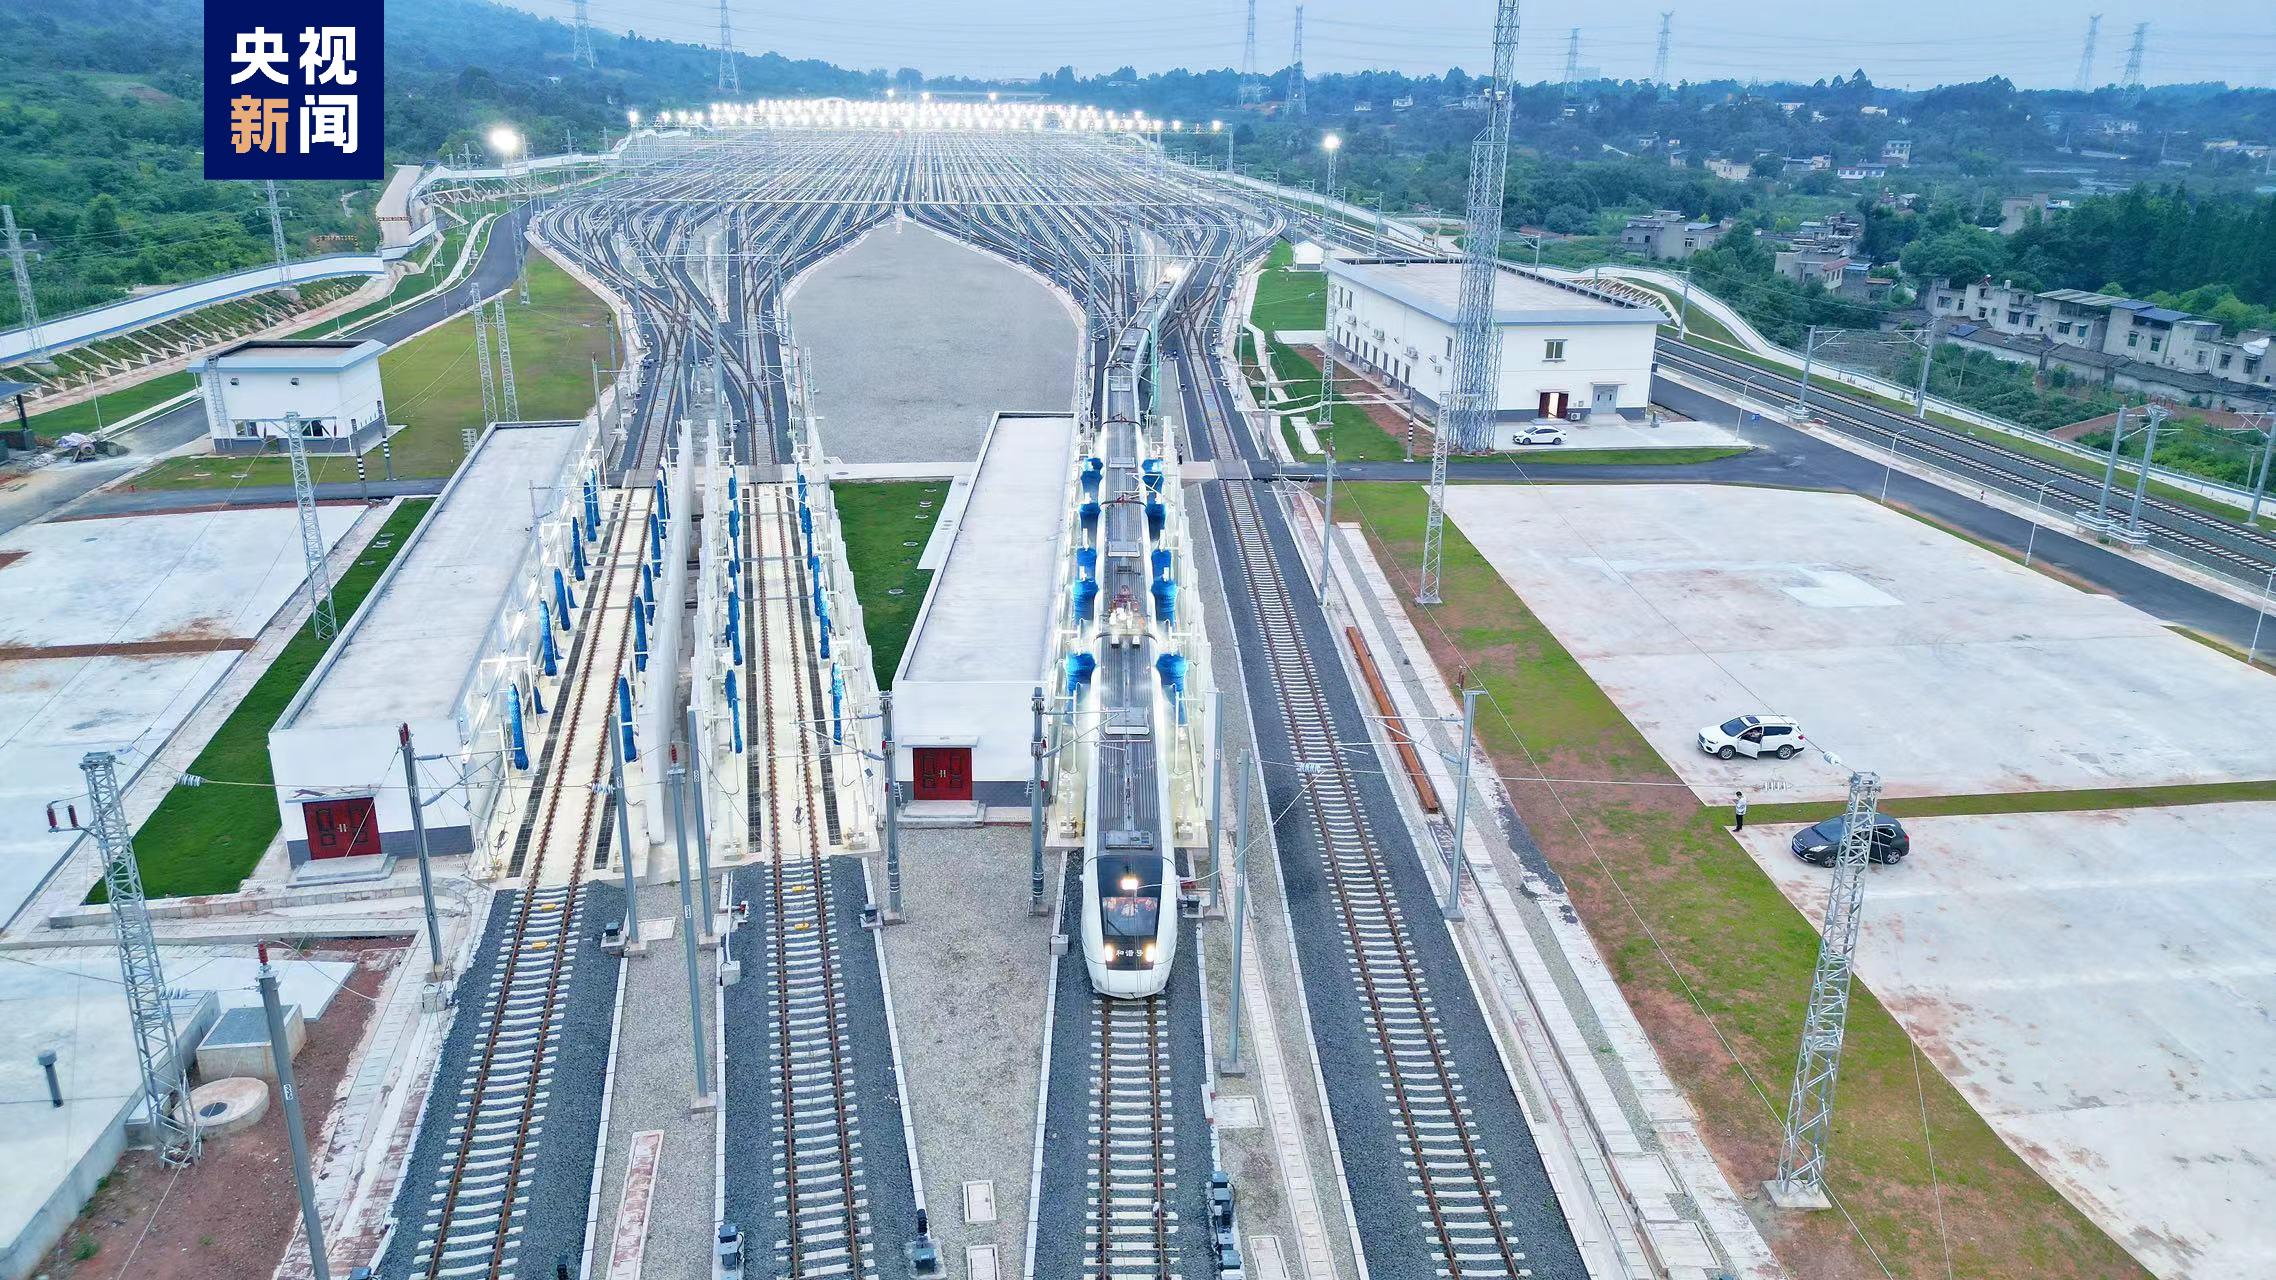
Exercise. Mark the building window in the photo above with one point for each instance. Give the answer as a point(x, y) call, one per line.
point(2133, 339)
point(2157, 344)
point(1553, 349)
point(2224, 355)
point(1450, 348)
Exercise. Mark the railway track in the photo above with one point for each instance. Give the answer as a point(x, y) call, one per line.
point(1132, 1231)
point(2217, 544)
point(470, 1227)
point(1457, 1198)
point(817, 1164)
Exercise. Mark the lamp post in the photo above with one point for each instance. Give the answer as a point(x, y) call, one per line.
point(1218, 126)
point(1330, 144)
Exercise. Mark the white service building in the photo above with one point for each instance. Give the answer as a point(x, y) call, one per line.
point(963, 699)
point(1569, 353)
point(448, 642)
point(253, 388)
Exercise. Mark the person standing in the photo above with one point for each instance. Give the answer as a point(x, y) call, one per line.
point(1739, 811)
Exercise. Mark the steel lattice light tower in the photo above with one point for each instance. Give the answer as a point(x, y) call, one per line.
point(1469, 414)
point(165, 1086)
point(321, 614)
point(581, 50)
point(730, 80)
point(508, 402)
point(1296, 69)
point(276, 232)
point(17, 255)
point(482, 360)
point(1801, 1180)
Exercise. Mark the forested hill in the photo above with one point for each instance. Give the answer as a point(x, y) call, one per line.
point(100, 131)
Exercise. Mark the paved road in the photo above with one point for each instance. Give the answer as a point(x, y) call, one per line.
point(1792, 459)
point(44, 491)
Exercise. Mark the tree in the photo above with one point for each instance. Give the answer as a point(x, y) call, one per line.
point(1961, 254)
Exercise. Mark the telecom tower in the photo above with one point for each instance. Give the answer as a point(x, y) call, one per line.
point(2133, 77)
point(2085, 81)
point(482, 359)
point(730, 83)
point(1296, 69)
point(508, 401)
point(581, 50)
point(17, 257)
point(276, 232)
point(1251, 91)
point(1801, 1180)
point(1572, 59)
point(1469, 414)
point(323, 617)
point(165, 1086)
point(1659, 60)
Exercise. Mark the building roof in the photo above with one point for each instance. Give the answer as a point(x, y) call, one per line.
point(1433, 286)
point(2082, 298)
point(988, 615)
point(406, 653)
point(10, 390)
point(294, 354)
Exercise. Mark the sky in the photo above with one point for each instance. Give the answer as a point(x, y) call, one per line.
point(1914, 44)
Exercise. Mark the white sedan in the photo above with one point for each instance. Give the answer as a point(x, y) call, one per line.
point(1539, 433)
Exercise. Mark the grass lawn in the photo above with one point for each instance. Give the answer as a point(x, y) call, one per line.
point(1717, 964)
point(2027, 801)
point(93, 415)
point(886, 524)
point(206, 839)
point(434, 388)
point(1287, 298)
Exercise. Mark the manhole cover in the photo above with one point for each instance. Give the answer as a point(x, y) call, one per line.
point(212, 1109)
point(893, 591)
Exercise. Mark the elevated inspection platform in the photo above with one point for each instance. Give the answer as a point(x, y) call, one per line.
point(982, 643)
point(443, 643)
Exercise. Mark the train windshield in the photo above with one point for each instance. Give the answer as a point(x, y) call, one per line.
point(1130, 896)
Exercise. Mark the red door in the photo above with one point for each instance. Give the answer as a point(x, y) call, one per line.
point(943, 773)
point(341, 828)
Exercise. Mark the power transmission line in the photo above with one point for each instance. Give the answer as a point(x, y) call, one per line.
point(1296, 69)
point(581, 47)
point(730, 80)
point(1251, 91)
point(2085, 81)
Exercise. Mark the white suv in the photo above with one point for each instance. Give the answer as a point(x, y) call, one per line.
point(1756, 736)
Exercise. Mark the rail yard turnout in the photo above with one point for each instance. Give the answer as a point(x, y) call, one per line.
point(699, 240)
point(1161, 909)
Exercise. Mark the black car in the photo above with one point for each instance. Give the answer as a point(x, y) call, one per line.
point(1822, 843)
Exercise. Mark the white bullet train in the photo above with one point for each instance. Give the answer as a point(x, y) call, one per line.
point(1124, 677)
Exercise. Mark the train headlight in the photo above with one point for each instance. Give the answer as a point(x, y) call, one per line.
point(1146, 953)
point(1106, 953)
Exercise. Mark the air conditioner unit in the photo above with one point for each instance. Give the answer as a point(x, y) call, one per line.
point(1413, 354)
point(1576, 415)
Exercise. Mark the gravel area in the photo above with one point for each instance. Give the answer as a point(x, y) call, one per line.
point(1393, 1234)
point(1251, 1155)
point(553, 1218)
point(655, 1081)
point(916, 341)
point(1069, 1136)
point(752, 1198)
point(969, 972)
